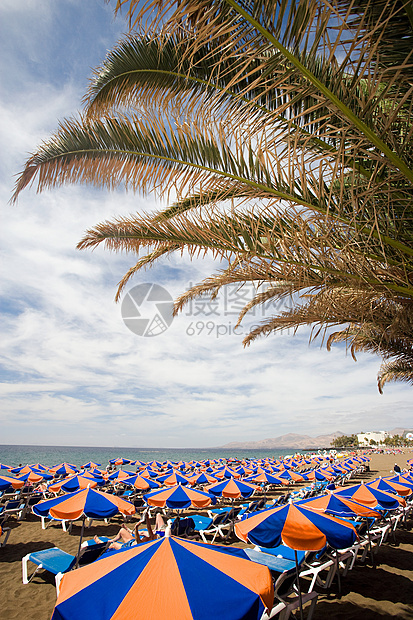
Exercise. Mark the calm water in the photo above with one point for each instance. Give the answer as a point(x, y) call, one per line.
point(53, 455)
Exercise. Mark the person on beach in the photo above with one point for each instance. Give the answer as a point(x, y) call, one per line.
point(128, 537)
point(397, 469)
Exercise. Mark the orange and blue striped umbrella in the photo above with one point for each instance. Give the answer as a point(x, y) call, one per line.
point(391, 487)
point(369, 496)
point(172, 479)
point(296, 526)
point(120, 461)
point(7, 481)
point(139, 482)
point(403, 480)
point(74, 483)
point(291, 475)
point(179, 497)
point(202, 478)
point(167, 579)
point(266, 479)
point(232, 489)
point(33, 477)
point(89, 503)
point(119, 476)
point(227, 472)
point(64, 469)
point(341, 507)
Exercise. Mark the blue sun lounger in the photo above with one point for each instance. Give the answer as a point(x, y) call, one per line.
point(58, 562)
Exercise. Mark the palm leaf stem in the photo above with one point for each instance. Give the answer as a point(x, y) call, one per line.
point(345, 110)
point(253, 184)
point(211, 244)
point(408, 7)
point(349, 161)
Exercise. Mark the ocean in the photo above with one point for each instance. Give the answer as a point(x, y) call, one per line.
point(78, 455)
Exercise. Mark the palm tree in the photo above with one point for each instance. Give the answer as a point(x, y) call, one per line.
point(285, 131)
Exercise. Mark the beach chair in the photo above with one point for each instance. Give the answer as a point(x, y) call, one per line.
point(215, 527)
point(276, 565)
point(47, 521)
point(282, 551)
point(13, 507)
point(26, 506)
point(320, 563)
point(183, 527)
point(58, 562)
point(286, 599)
point(201, 522)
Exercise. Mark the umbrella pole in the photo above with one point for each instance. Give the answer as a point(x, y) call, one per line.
point(300, 598)
point(80, 541)
point(373, 561)
point(338, 573)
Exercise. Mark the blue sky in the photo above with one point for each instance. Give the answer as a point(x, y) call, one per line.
point(71, 372)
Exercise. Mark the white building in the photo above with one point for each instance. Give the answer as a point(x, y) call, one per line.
point(364, 439)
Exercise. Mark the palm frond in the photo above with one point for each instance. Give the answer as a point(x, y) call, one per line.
point(395, 371)
point(285, 130)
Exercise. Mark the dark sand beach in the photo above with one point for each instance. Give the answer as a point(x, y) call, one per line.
point(367, 593)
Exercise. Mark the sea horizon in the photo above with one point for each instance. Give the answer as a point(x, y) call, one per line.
point(49, 455)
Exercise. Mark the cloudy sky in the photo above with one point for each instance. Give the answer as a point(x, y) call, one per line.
point(72, 372)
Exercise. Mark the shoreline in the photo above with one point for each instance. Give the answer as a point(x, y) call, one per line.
point(367, 593)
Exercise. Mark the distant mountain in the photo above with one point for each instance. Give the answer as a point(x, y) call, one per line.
point(398, 431)
point(290, 440)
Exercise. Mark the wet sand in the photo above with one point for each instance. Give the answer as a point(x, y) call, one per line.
point(367, 593)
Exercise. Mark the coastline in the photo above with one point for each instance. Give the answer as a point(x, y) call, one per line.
point(367, 593)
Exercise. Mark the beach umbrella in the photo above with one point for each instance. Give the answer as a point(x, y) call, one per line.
point(291, 475)
point(167, 579)
point(91, 465)
point(403, 479)
point(391, 487)
point(232, 489)
point(32, 477)
point(74, 483)
point(297, 527)
point(84, 503)
point(203, 478)
point(139, 482)
point(64, 469)
point(171, 480)
point(21, 469)
point(318, 474)
point(368, 496)
point(87, 502)
point(179, 497)
point(344, 508)
point(3, 466)
point(26, 469)
point(339, 507)
point(154, 465)
point(119, 461)
point(120, 475)
point(6, 482)
point(227, 472)
point(39, 466)
point(266, 479)
point(244, 471)
point(148, 473)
